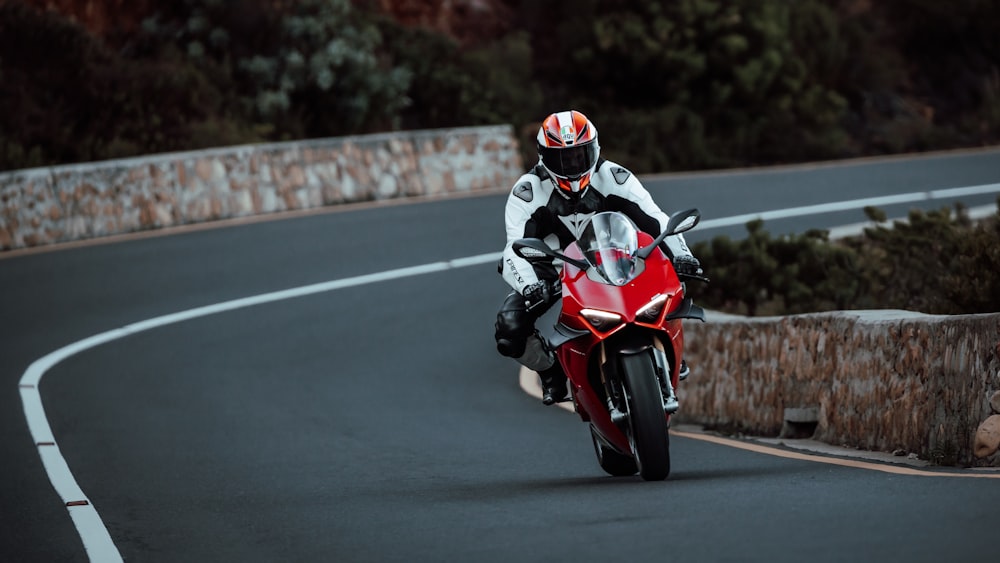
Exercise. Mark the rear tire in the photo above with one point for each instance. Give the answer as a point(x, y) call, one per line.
point(647, 421)
point(612, 462)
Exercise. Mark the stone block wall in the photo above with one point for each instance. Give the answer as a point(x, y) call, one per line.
point(64, 203)
point(877, 380)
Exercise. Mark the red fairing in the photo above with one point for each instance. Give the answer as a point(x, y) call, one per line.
point(580, 292)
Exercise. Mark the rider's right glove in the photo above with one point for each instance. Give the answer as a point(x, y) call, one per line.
point(540, 293)
point(687, 266)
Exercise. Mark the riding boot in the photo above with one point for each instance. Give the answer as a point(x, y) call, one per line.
point(685, 371)
point(553, 384)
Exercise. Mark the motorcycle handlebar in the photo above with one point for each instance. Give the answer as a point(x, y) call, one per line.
point(693, 277)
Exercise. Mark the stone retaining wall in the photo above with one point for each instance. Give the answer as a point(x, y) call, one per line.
point(64, 203)
point(876, 380)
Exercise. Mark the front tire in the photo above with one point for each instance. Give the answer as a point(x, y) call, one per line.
point(612, 462)
point(646, 419)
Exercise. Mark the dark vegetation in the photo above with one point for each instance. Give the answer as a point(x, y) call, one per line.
point(683, 85)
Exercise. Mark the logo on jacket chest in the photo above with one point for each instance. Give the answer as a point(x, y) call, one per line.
point(575, 222)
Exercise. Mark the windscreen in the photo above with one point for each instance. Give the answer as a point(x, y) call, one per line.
point(609, 242)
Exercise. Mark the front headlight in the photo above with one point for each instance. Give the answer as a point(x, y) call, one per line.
point(650, 312)
point(602, 321)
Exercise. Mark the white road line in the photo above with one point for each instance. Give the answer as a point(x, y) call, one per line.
point(851, 204)
point(856, 229)
point(96, 539)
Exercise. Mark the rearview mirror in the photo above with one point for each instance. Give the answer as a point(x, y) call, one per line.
point(679, 222)
point(535, 250)
point(532, 249)
point(686, 224)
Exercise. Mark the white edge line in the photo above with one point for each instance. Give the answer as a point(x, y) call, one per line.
point(96, 539)
point(856, 229)
point(851, 204)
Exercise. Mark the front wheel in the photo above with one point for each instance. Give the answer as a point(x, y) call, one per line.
point(647, 421)
point(612, 462)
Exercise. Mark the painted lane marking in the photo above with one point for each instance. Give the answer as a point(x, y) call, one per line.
point(854, 204)
point(769, 450)
point(856, 229)
point(530, 384)
point(96, 539)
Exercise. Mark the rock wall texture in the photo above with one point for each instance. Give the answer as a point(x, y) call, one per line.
point(876, 380)
point(64, 203)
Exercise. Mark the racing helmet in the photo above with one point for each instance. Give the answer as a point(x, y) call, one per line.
point(568, 150)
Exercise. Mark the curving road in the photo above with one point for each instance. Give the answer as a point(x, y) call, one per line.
point(377, 423)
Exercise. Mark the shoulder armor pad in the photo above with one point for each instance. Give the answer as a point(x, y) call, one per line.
point(523, 191)
point(621, 175)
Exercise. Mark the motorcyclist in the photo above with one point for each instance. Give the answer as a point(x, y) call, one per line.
point(553, 201)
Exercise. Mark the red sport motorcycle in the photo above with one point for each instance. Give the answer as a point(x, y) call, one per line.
point(619, 338)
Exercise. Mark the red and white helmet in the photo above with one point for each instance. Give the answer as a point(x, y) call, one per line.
point(568, 149)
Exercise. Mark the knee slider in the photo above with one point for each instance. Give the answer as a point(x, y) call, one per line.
point(511, 334)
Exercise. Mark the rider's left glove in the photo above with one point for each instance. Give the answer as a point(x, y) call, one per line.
point(687, 266)
point(540, 293)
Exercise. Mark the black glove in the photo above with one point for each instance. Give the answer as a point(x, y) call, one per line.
point(688, 266)
point(541, 293)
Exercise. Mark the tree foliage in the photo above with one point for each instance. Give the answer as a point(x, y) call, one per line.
point(452, 86)
point(699, 83)
point(313, 67)
point(682, 85)
point(68, 97)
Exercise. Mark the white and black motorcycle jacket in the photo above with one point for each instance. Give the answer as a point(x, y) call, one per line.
point(537, 208)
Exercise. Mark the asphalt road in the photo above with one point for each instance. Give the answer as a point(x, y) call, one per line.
point(377, 422)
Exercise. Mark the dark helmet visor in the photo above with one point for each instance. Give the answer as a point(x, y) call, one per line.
point(569, 162)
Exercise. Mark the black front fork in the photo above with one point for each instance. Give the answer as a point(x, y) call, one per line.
point(612, 376)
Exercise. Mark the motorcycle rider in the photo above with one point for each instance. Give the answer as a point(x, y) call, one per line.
point(553, 201)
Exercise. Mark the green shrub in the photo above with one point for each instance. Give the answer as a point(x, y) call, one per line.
point(936, 262)
point(697, 83)
point(304, 69)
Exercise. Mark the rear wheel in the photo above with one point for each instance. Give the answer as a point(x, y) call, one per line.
point(612, 462)
point(646, 420)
